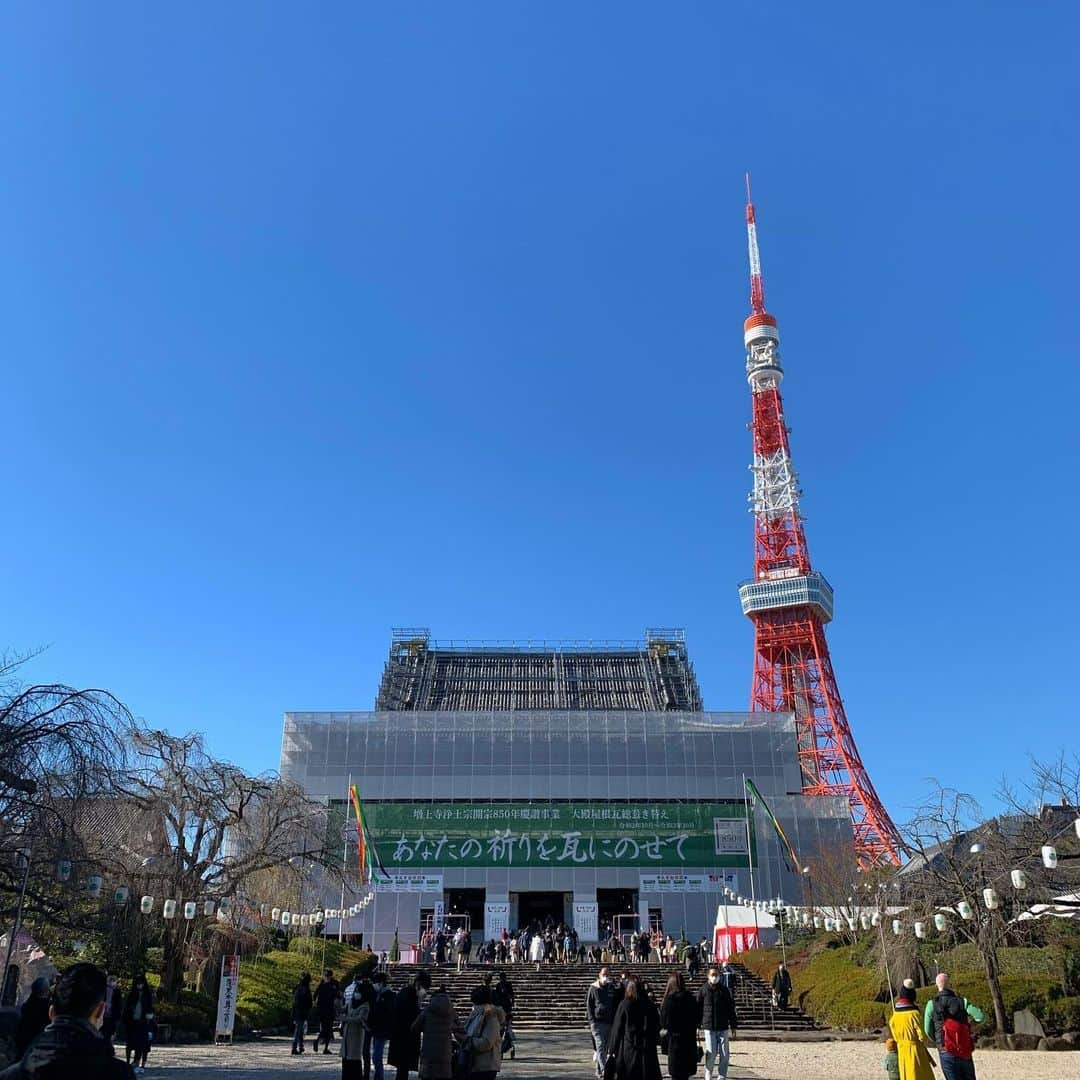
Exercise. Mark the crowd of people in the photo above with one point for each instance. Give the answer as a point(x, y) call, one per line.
point(944, 1023)
point(67, 1027)
point(547, 942)
point(630, 1029)
point(413, 1029)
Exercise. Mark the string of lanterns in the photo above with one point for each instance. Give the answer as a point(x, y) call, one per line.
point(991, 899)
point(94, 884)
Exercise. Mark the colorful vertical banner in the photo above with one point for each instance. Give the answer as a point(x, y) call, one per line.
point(787, 852)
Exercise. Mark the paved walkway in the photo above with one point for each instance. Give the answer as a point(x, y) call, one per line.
point(539, 1057)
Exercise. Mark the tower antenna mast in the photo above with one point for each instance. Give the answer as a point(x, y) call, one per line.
point(790, 603)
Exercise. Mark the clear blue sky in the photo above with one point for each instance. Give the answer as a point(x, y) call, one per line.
point(321, 319)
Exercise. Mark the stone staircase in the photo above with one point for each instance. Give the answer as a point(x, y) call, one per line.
point(553, 999)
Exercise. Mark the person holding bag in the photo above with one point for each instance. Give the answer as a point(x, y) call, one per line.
point(481, 1039)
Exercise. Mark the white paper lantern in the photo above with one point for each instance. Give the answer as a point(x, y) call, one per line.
point(94, 884)
point(896, 926)
point(864, 921)
point(1019, 879)
point(817, 922)
point(977, 849)
point(169, 910)
point(990, 898)
point(275, 914)
point(940, 922)
point(208, 907)
point(146, 905)
point(850, 923)
point(286, 918)
point(965, 909)
point(1076, 827)
point(189, 910)
point(63, 870)
point(319, 917)
point(805, 918)
point(920, 929)
point(1050, 857)
point(120, 895)
point(264, 910)
point(224, 905)
point(875, 919)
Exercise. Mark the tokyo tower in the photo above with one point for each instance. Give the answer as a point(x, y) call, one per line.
point(790, 603)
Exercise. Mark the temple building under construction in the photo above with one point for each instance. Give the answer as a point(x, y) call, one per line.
point(503, 783)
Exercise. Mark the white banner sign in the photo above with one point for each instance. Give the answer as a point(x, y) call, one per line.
point(226, 1005)
point(496, 919)
point(410, 883)
point(683, 883)
point(586, 919)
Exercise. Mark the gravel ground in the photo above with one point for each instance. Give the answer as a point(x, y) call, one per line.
point(555, 1057)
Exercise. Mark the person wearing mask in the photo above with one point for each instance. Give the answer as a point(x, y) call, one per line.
point(327, 994)
point(380, 1019)
point(680, 1014)
point(600, 1004)
point(947, 1020)
point(718, 1023)
point(481, 1037)
point(301, 1010)
point(138, 1015)
point(33, 1016)
point(404, 1052)
point(635, 1034)
point(435, 1028)
point(781, 986)
point(354, 1039)
point(72, 1047)
point(911, 1041)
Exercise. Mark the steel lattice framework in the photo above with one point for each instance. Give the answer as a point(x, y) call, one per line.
point(790, 603)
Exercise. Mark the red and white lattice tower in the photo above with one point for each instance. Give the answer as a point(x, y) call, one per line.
point(790, 603)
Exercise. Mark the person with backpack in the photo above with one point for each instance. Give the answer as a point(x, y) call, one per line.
point(947, 1020)
point(380, 1020)
point(718, 1024)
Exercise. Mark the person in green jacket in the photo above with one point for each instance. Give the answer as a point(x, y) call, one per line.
point(932, 1029)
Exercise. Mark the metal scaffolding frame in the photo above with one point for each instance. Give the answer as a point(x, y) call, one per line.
point(653, 675)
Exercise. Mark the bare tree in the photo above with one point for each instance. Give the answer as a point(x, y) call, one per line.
point(222, 830)
point(956, 856)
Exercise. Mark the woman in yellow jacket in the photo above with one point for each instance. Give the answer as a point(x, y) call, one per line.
point(911, 1041)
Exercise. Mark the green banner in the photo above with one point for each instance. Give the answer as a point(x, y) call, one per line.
point(412, 836)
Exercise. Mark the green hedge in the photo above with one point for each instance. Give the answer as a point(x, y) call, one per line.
point(193, 1013)
point(264, 997)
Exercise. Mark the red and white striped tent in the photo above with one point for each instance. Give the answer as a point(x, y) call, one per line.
point(739, 928)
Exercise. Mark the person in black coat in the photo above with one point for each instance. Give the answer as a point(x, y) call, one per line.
point(327, 995)
point(680, 1015)
point(138, 1015)
point(718, 1022)
point(404, 1053)
point(33, 1016)
point(72, 1046)
point(634, 1035)
point(301, 1010)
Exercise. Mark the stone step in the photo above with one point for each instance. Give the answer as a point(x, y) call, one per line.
point(554, 997)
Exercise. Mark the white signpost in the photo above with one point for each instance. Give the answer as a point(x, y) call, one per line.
point(226, 1006)
point(586, 921)
point(496, 919)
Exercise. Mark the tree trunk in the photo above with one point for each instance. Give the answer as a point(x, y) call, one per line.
point(174, 946)
point(990, 965)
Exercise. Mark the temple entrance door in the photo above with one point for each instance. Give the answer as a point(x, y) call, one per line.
point(539, 907)
point(613, 902)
